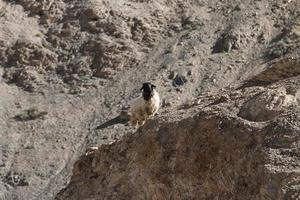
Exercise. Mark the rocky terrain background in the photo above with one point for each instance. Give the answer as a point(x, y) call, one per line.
point(227, 71)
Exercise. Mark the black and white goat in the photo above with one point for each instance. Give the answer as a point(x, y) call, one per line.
point(142, 108)
point(145, 106)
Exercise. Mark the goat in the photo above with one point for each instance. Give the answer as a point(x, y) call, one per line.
point(145, 106)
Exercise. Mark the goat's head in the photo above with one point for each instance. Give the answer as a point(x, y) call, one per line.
point(148, 90)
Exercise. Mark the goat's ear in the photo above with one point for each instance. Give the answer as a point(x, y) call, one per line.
point(142, 88)
point(153, 86)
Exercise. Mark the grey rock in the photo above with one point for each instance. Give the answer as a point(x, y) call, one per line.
point(179, 80)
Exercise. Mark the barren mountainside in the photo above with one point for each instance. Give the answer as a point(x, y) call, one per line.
point(228, 73)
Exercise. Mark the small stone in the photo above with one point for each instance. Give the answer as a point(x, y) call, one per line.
point(179, 80)
point(104, 137)
point(237, 8)
point(91, 150)
point(166, 103)
point(2, 164)
point(75, 90)
point(28, 146)
point(103, 73)
point(172, 75)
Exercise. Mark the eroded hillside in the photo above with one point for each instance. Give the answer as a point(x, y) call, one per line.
point(210, 150)
point(70, 66)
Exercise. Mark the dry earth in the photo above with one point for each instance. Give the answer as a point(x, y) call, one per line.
point(228, 73)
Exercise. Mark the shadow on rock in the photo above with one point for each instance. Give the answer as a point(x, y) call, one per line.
point(123, 118)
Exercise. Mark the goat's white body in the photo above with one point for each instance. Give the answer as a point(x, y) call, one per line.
point(141, 110)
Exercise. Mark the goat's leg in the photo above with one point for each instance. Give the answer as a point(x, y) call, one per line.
point(141, 119)
point(150, 113)
point(133, 120)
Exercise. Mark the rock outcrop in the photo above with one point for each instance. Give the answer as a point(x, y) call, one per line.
point(202, 153)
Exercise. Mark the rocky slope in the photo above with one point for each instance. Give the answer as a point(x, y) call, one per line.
point(203, 152)
point(70, 66)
